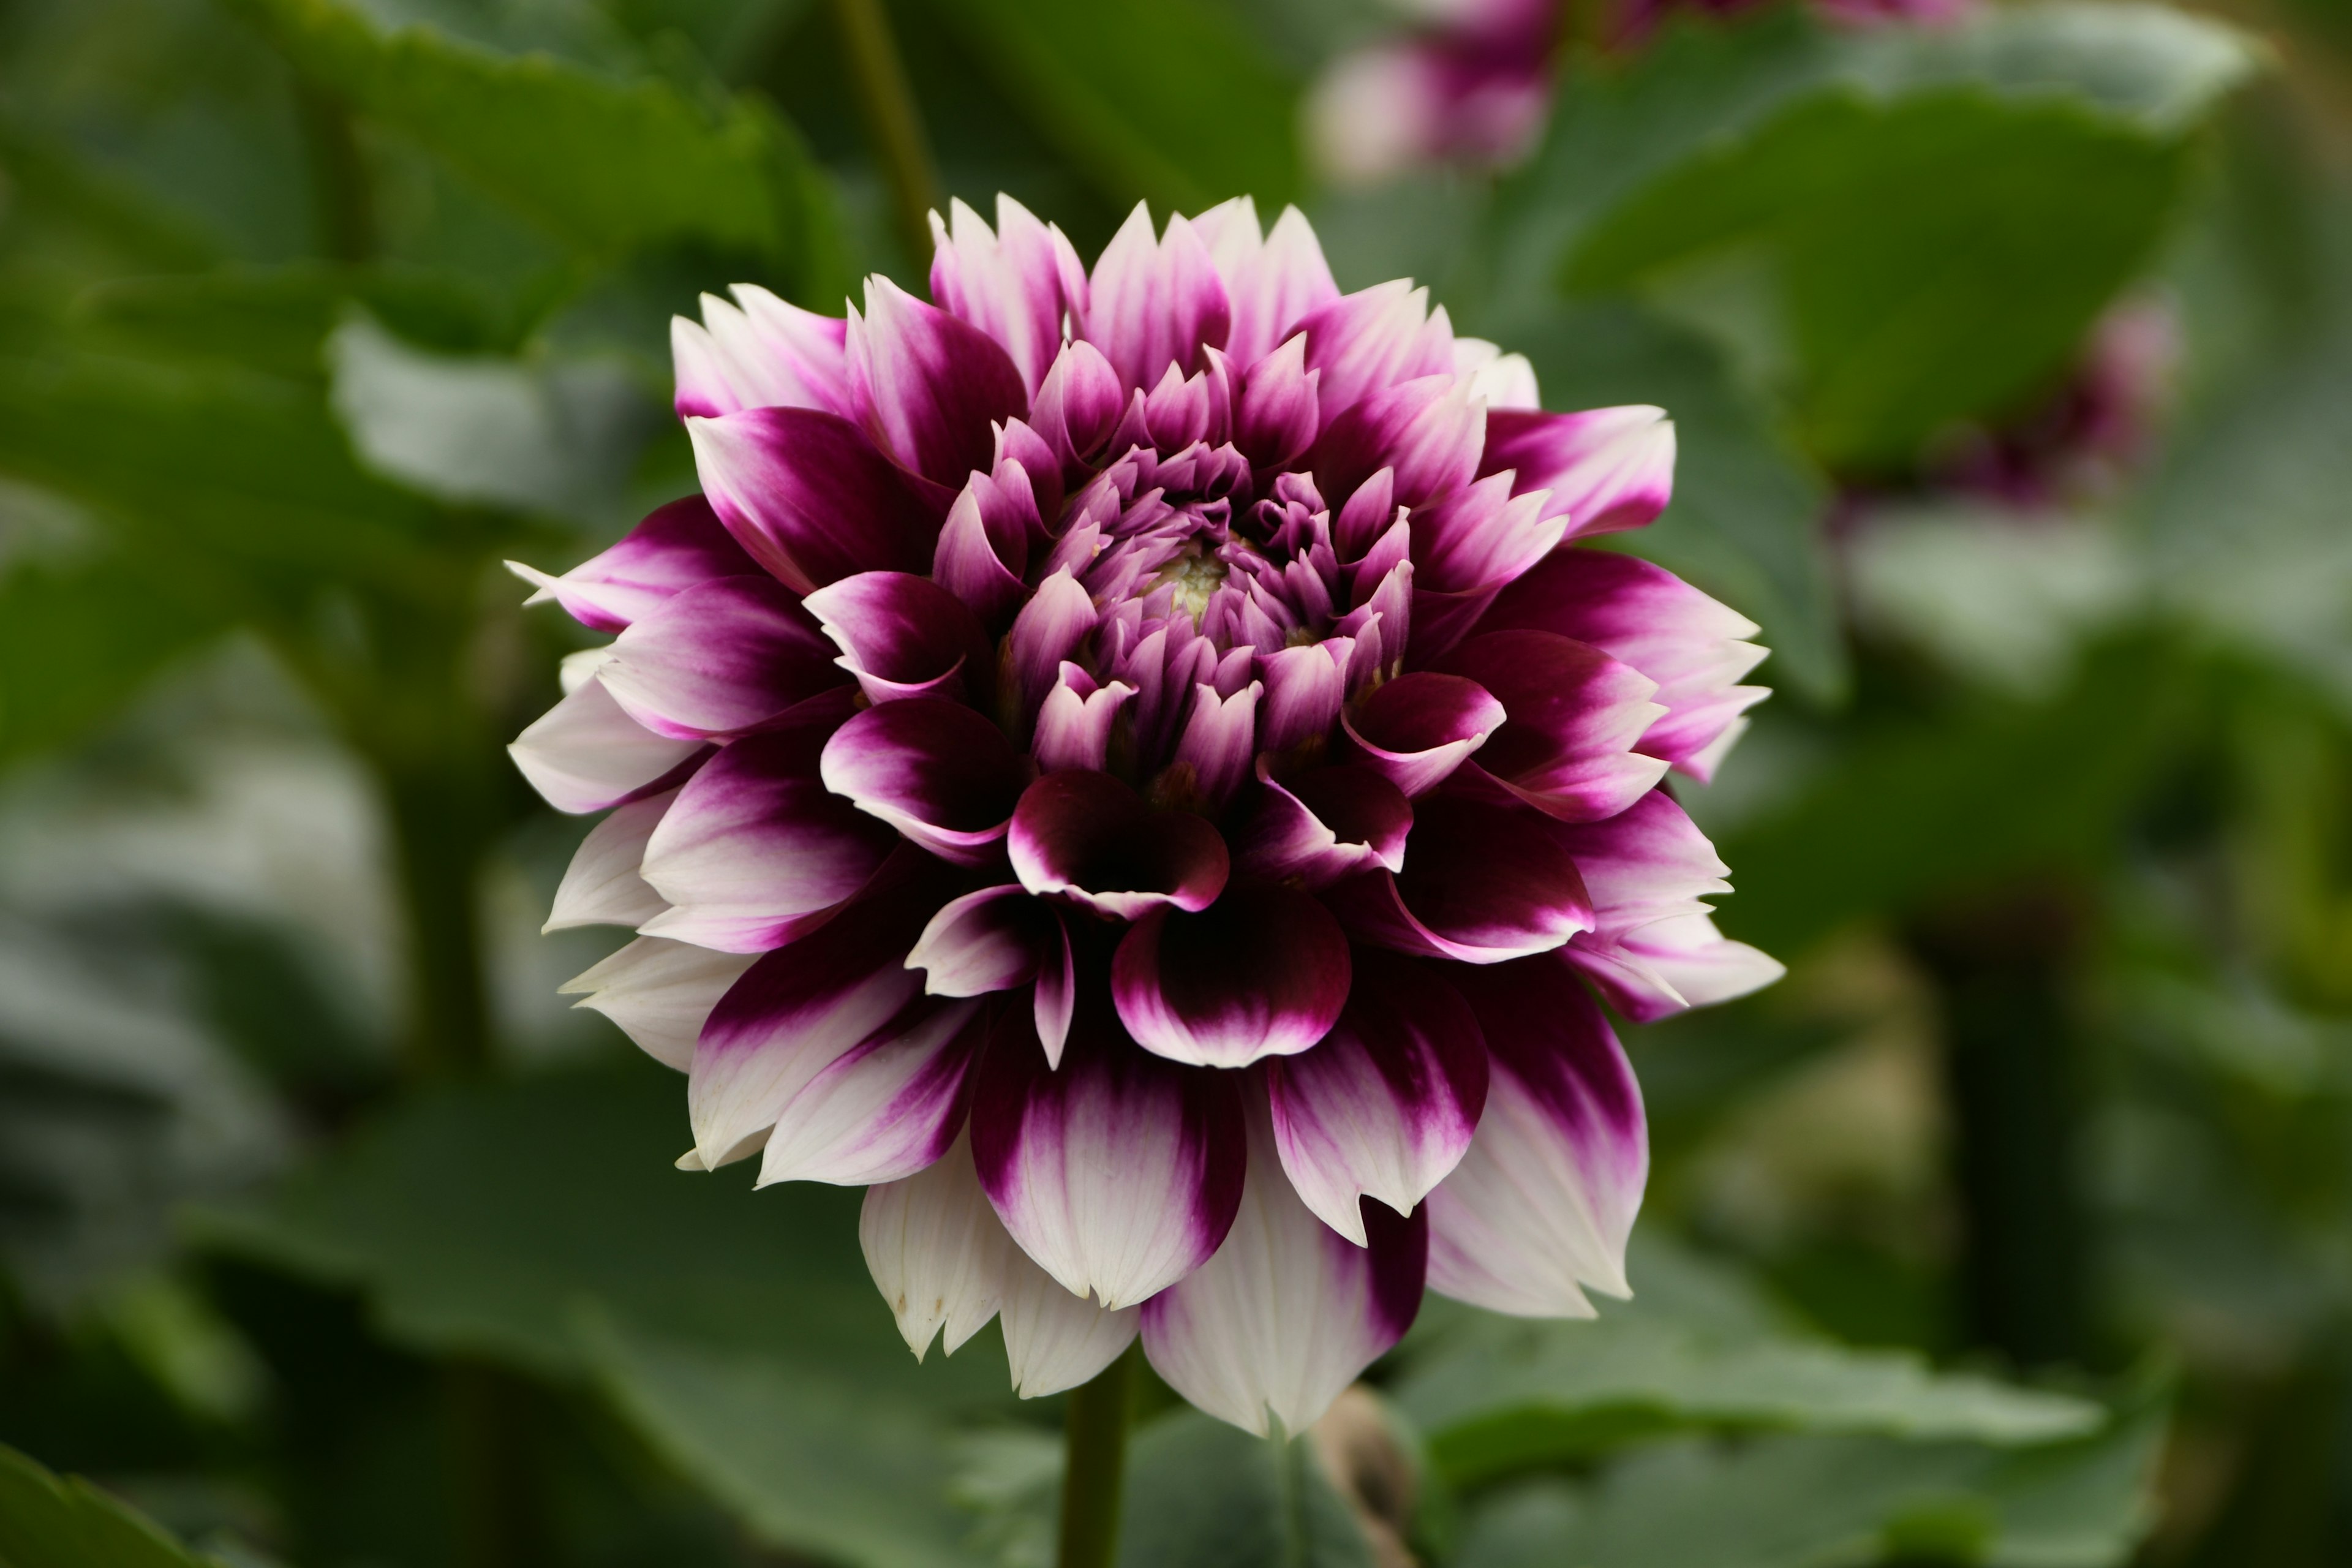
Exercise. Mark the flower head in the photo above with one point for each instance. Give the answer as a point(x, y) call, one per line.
point(1133, 766)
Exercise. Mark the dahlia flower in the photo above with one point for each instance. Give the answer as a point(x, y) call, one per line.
point(1471, 80)
point(1135, 768)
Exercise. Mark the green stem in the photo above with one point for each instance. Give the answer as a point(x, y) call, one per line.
point(438, 843)
point(1096, 1465)
point(891, 118)
point(341, 188)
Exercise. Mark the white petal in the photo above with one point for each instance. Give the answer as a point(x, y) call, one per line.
point(879, 1111)
point(937, 1250)
point(1055, 1340)
point(600, 886)
point(585, 754)
point(659, 993)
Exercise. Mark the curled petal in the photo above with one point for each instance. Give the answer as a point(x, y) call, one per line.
point(759, 353)
point(904, 635)
point(1272, 281)
point(1079, 405)
point(1483, 884)
point(586, 754)
point(993, 940)
point(1048, 630)
point(755, 844)
point(723, 658)
point(1428, 432)
point(1088, 837)
point(676, 547)
point(1385, 1106)
point(1575, 715)
point(1659, 969)
point(1323, 826)
point(1278, 415)
point(1538, 1211)
point(1213, 757)
point(659, 993)
point(600, 886)
point(1014, 283)
point(936, 771)
point(796, 1010)
point(1417, 729)
point(1606, 468)
point(1304, 685)
point(1262, 972)
point(1694, 648)
point(1118, 1172)
point(983, 546)
point(1074, 722)
point(1287, 1312)
point(930, 385)
point(885, 1108)
point(808, 497)
point(1153, 304)
point(1055, 1341)
point(937, 1251)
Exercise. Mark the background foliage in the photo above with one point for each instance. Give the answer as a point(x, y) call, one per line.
point(2011, 1229)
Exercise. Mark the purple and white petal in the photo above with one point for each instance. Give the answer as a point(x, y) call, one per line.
point(1262, 972)
point(586, 754)
point(1325, 825)
point(1015, 283)
point(1272, 280)
point(808, 497)
point(1417, 729)
point(658, 992)
point(1154, 303)
point(1055, 1341)
point(1386, 1106)
point(760, 353)
point(1079, 405)
point(1427, 432)
point(1575, 715)
point(904, 635)
point(1498, 379)
point(1267, 1332)
point(1087, 838)
point(1372, 340)
point(937, 1251)
point(936, 771)
point(1656, 970)
point(602, 887)
point(1607, 469)
point(721, 659)
point(1117, 1172)
point(993, 940)
point(930, 385)
point(1480, 884)
point(885, 1108)
point(1212, 756)
point(1694, 648)
point(1538, 1211)
point(1074, 722)
point(676, 547)
point(755, 844)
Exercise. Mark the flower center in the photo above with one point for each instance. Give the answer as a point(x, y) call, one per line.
point(1193, 577)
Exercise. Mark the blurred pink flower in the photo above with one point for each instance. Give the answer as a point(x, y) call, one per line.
point(1128, 765)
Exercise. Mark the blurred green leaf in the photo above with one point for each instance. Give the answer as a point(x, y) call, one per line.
point(277, 319)
point(1171, 101)
point(1977, 795)
point(1744, 522)
point(1201, 1494)
point(52, 1521)
point(1497, 1396)
point(1837, 1502)
point(607, 165)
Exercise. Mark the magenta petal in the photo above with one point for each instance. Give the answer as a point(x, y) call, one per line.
point(1322, 826)
point(887, 1107)
point(1262, 972)
point(1575, 715)
point(1287, 1312)
point(1385, 1106)
point(808, 497)
point(1151, 304)
point(1607, 469)
point(1118, 1172)
point(936, 771)
point(1212, 756)
point(984, 942)
point(1541, 1208)
point(1694, 648)
point(983, 546)
point(1279, 413)
point(1480, 884)
point(1088, 837)
point(1049, 629)
point(1075, 721)
point(1272, 283)
point(760, 353)
point(1427, 432)
point(930, 385)
point(755, 842)
point(1304, 685)
point(1014, 283)
point(799, 1008)
point(676, 547)
point(720, 659)
point(1372, 340)
point(1481, 537)
point(1079, 405)
point(1417, 729)
point(903, 635)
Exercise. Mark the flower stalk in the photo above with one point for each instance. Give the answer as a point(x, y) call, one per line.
point(891, 119)
point(1094, 1467)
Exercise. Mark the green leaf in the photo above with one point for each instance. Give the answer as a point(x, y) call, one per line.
point(1201, 1494)
point(1170, 102)
point(1916, 808)
point(541, 1225)
point(1745, 522)
point(1838, 1503)
point(52, 1521)
point(1498, 1396)
point(608, 165)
